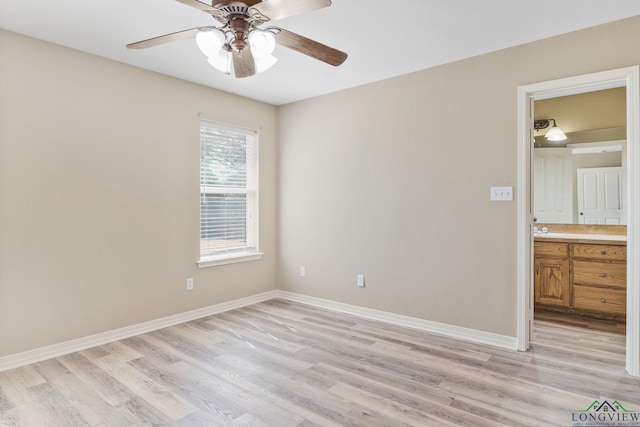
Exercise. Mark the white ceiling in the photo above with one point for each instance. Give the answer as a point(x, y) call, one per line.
point(383, 38)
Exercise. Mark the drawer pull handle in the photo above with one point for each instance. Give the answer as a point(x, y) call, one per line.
point(603, 252)
point(603, 275)
point(603, 300)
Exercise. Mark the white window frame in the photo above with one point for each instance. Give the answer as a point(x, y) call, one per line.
point(251, 252)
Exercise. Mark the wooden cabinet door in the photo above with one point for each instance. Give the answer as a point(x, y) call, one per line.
point(551, 281)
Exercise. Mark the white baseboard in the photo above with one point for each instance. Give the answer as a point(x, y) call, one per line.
point(457, 332)
point(39, 354)
point(67, 347)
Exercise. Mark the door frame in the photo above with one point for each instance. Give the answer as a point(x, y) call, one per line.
point(623, 77)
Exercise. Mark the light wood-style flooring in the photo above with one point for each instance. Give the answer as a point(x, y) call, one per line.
point(280, 363)
point(581, 321)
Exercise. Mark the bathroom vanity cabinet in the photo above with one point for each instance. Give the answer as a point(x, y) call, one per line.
point(580, 276)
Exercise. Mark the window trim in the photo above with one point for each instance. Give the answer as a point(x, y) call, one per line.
point(243, 255)
point(232, 258)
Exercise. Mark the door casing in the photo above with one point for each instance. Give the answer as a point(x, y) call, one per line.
point(623, 77)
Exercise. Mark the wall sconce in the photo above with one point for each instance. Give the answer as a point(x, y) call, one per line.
point(553, 134)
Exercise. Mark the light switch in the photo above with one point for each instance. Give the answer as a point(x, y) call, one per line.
point(501, 193)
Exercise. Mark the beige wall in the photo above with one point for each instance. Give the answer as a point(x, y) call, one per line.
point(392, 180)
point(99, 195)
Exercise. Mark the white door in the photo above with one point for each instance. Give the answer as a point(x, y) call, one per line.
point(553, 185)
point(600, 196)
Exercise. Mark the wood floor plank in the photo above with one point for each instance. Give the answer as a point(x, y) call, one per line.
point(53, 409)
point(244, 331)
point(194, 374)
point(89, 404)
point(173, 406)
point(211, 398)
point(25, 377)
point(140, 413)
point(304, 390)
point(419, 405)
point(111, 390)
point(19, 407)
point(394, 409)
point(279, 363)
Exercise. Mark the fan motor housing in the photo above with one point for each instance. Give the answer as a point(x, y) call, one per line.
point(231, 6)
point(240, 29)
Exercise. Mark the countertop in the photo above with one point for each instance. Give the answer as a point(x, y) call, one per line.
point(610, 239)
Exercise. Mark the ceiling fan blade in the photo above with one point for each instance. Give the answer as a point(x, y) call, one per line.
point(205, 6)
point(309, 47)
point(179, 35)
point(278, 9)
point(209, 7)
point(243, 63)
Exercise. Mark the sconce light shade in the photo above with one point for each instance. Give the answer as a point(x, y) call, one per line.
point(555, 134)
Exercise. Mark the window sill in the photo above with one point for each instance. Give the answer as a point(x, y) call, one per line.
point(228, 259)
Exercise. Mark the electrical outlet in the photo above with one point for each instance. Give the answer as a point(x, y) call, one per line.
point(303, 271)
point(361, 280)
point(190, 284)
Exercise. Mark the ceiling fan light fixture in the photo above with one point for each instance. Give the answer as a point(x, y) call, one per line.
point(210, 42)
point(220, 62)
point(264, 63)
point(238, 46)
point(263, 43)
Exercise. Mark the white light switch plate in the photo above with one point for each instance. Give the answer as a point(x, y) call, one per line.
point(501, 193)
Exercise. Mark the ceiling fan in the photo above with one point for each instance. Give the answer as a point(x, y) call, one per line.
point(239, 46)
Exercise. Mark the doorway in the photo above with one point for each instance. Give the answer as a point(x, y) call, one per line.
point(624, 77)
point(578, 188)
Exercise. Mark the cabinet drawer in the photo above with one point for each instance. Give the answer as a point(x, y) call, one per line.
point(600, 252)
point(600, 273)
point(603, 300)
point(551, 249)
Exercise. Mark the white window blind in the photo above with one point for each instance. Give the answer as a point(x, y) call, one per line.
point(228, 191)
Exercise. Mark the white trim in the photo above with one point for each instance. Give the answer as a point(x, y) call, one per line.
point(228, 259)
point(623, 77)
point(596, 149)
point(451, 331)
point(229, 127)
point(524, 223)
point(633, 222)
point(252, 191)
point(67, 347)
point(56, 350)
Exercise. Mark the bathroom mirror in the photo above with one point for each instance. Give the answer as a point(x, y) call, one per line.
point(581, 180)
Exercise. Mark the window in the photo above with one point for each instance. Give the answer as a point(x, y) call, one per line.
point(228, 194)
